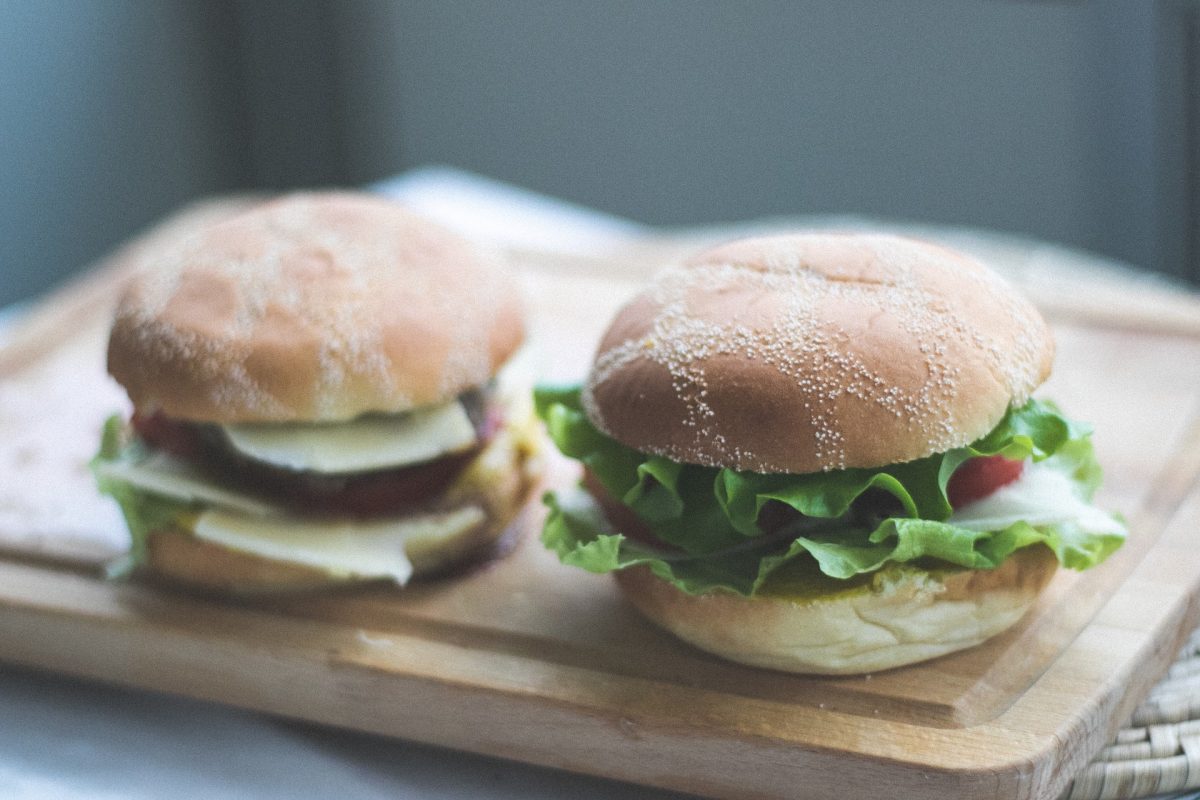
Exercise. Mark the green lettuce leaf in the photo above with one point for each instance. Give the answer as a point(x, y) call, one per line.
point(143, 512)
point(854, 521)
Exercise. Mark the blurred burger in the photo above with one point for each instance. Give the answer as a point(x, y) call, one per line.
point(819, 453)
point(320, 397)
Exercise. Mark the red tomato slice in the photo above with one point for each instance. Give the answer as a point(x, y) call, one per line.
point(977, 478)
point(164, 433)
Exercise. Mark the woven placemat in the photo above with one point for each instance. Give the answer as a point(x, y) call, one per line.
point(1159, 751)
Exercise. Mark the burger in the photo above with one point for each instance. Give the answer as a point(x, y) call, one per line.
point(323, 393)
point(819, 453)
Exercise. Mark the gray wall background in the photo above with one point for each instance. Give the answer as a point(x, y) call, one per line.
point(1077, 122)
point(111, 112)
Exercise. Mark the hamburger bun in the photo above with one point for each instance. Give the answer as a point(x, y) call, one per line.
point(812, 352)
point(313, 308)
point(901, 615)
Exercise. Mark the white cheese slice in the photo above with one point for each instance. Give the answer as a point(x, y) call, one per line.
point(362, 444)
point(1041, 496)
point(343, 548)
point(514, 382)
point(162, 474)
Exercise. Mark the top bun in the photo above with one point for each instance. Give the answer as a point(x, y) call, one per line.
point(813, 352)
point(313, 307)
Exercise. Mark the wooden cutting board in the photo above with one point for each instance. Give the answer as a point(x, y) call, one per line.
point(530, 660)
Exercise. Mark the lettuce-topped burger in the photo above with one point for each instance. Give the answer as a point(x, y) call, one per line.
point(818, 453)
point(319, 398)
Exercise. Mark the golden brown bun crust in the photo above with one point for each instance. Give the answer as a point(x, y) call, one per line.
point(903, 617)
point(313, 307)
point(810, 352)
point(182, 558)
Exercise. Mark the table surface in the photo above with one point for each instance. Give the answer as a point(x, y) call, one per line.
point(67, 739)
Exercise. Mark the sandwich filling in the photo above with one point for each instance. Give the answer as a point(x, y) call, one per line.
point(350, 499)
point(1028, 482)
point(369, 466)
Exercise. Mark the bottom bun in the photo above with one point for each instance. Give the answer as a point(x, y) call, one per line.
point(182, 558)
point(177, 556)
point(499, 483)
point(901, 616)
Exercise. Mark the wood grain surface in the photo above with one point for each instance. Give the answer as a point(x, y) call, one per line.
point(530, 660)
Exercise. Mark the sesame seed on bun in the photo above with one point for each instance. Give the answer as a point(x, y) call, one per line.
point(811, 352)
point(316, 308)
